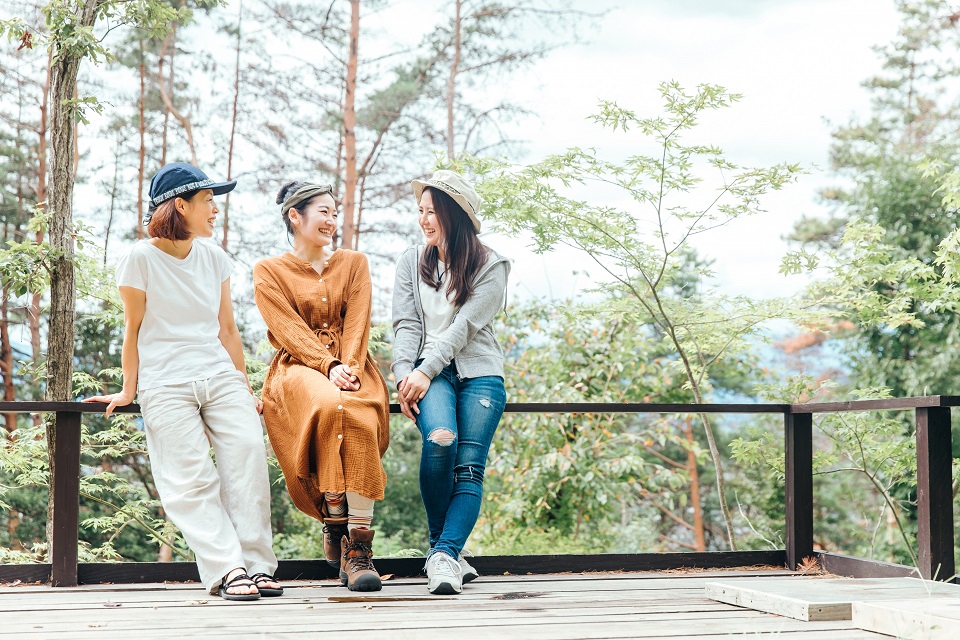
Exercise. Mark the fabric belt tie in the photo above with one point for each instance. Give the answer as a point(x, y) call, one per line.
point(331, 340)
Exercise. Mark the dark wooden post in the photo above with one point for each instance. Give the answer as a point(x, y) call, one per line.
point(798, 497)
point(934, 494)
point(66, 500)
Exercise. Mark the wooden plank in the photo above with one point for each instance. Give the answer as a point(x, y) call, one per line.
point(887, 404)
point(137, 572)
point(798, 490)
point(779, 604)
point(934, 494)
point(254, 619)
point(359, 626)
point(66, 499)
point(822, 599)
point(638, 407)
point(850, 567)
point(511, 407)
point(678, 576)
point(934, 619)
point(403, 594)
point(534, 607)
point(890, 404)
point(24, 573)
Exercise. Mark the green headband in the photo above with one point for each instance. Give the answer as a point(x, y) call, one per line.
point(304, 194)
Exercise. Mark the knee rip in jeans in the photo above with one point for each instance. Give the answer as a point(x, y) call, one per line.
point(485, 402)
point(441, 436)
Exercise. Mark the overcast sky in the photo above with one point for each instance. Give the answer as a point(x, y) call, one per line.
point(798, 63)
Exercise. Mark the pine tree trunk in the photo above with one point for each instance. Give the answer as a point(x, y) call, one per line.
point(233, 131)
point(699, 534)
point(349, 239)
point(451, 81)
point(42, 128)
point(142, 124)
point(6, 360)
point(63, 86)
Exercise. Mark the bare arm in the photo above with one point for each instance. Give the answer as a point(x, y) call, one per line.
point(230, 336)
point(134, 306)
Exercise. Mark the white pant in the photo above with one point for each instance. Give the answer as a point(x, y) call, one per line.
point(223, 511)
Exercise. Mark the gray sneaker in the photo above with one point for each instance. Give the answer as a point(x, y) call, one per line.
point(467, 572)
point(443, 575)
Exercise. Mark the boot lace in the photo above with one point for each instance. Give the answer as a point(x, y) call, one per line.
point(363, 560)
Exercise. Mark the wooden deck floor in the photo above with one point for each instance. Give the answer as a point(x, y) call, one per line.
point(548, 607)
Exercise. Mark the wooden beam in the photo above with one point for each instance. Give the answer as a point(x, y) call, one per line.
point(147, 572)
point(798, 494)
point(851, 567)
point(66, 500)
point(887, 404)
point(934, 494)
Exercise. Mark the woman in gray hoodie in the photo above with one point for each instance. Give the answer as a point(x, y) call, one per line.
point(448, 364)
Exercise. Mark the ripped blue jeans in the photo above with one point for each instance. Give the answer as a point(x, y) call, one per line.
point(457, 421)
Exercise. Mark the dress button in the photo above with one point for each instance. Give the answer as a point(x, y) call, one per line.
point(323, 299)
point(339, 406)
point(324, 324)
point(328, 346)
point(321, 279)
point(326, 263)
point(340, 436)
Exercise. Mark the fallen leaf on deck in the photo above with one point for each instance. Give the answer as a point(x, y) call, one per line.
point(386, 576)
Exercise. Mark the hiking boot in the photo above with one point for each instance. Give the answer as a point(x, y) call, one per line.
point(357, 572)
point(333, 531)
point(467, 572)
point(443, 575)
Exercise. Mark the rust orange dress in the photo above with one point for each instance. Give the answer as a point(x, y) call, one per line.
point(325, 439)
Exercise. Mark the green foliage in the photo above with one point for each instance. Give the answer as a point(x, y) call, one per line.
point(644, 249)
point(596, 480)
point(862, 454)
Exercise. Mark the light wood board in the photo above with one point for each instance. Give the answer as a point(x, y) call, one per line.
point(928, 619)
point(811, 599)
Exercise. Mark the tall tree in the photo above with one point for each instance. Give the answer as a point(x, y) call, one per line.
point(70, 34)
point(912, 118)
point(486, 39)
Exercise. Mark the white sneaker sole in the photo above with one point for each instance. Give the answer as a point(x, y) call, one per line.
point(444, 588)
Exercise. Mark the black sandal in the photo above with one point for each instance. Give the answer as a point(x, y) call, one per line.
point(226, 585)
point(260, 578)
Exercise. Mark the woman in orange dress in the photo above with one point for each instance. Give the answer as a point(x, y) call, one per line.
point(324, 400)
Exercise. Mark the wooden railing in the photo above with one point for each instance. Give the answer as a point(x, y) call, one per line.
point(935, 535)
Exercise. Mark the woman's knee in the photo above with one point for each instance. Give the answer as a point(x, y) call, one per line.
point(469, 474)
point(442, 437)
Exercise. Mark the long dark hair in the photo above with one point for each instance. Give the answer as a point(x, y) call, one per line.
point(465, 254)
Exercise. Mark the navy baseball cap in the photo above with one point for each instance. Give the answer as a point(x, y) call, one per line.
point(180, 177)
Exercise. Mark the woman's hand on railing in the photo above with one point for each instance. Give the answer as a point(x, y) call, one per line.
point(113, 400)
point(408, 409)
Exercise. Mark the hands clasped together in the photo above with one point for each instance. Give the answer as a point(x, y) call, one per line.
point(412, 390)
point(344, 379)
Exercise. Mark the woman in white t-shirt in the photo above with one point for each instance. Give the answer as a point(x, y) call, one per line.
point(183, 358)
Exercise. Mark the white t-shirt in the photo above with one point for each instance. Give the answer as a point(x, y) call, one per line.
point(178, 338)
point(438, 310)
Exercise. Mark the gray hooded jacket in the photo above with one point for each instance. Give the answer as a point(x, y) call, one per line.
point(469, 340)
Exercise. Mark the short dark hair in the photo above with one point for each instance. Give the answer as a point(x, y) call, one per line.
point(166, 222)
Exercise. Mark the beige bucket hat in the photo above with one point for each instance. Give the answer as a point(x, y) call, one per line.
point(455, 186)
